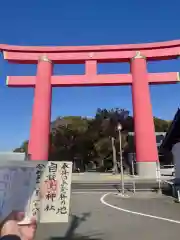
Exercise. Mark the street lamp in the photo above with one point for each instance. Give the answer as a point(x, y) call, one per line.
point(119, 128)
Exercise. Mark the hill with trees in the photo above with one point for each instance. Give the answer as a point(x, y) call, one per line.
point(88, 140)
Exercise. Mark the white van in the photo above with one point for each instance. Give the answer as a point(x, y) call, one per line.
point(167, 170)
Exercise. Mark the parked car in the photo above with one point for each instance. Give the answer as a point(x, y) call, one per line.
point(167, 170)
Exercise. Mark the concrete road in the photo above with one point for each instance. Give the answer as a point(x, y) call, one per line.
point(115, 186)
point(95, 177)
point(91, 219)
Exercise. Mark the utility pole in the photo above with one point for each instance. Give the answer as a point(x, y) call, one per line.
point(114, 156)
point(119, 127)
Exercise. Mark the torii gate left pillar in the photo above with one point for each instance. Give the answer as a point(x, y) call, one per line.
point(38, 147)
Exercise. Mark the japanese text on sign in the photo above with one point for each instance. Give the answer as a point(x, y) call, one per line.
point(57, 182)
point(36, 198)
point(64, 189)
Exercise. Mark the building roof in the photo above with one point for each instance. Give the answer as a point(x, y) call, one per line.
point(12, 156)
point(173, 132)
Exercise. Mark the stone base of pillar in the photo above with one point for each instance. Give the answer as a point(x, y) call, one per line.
point(147, 170)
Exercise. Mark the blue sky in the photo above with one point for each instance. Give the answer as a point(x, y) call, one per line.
point(83, 22)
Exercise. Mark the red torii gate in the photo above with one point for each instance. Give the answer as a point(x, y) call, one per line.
point(136, 54)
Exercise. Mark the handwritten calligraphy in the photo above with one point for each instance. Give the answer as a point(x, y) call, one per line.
point(64, 187)
point(36, 200)
point(51, 186)
point(57, 183)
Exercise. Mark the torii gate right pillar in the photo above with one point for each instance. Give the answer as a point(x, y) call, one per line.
point(145, 139)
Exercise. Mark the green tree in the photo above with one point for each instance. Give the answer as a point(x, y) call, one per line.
point(22, 148)
point(84, 140)
point(161, 125)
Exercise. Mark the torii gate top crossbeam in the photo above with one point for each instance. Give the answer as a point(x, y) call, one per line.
point(76, 54)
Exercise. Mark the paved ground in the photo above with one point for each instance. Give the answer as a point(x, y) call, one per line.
point(106, 177)
point(147, 203)
point(115, 186)
point(90, 219)
point(95, 176)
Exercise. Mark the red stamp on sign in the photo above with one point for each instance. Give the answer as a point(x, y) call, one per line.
point(51, 185)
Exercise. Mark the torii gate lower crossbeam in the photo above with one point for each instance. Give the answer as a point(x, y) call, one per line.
point(146, 148)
